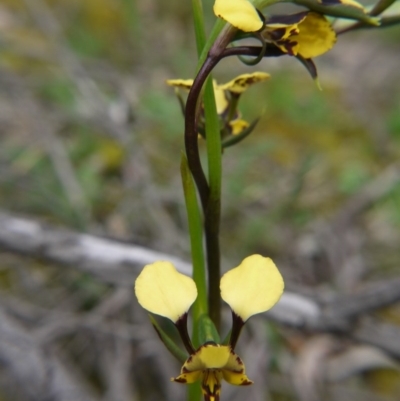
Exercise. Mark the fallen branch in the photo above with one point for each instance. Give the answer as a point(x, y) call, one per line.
point(39, 375)
point(111, 261)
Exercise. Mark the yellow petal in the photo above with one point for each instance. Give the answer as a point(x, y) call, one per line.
point(252, 287)
point(239, 13)
point(188, 377)
point(237, 379)
point(234, 371)
point(221, 101)
point(242, 82)
point(234, 363)
point(316, 36)
point(180, 83)
point(282, 26)
point(208, 356)
point(237, 126)
point(162, 290)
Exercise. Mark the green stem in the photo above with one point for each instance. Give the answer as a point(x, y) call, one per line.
point(194, 391)
point(196, 244)
point(194, 219)
point(213, 211)
point(198, 20)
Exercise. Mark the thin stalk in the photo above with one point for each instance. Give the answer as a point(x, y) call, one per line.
point(198, 20)
point(196, 244)
point(213, 211)
point(194, 391)
point(193, 212)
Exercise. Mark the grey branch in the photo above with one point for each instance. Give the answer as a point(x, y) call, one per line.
point(112, 261)
point(39, 375)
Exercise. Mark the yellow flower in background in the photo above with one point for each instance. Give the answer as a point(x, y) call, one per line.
point(252, 287)
point(239, 13)
point(307, 34)
point(226, 98)
point(242, 82)
point(180, 83)
point(223, 92)
point(237, 126)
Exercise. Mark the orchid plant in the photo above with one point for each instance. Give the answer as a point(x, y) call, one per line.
point(211, 113)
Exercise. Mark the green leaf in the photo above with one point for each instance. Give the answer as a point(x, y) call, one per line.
point(196, 244)
point(198, 21)
point(169, 343)
point(207, 332)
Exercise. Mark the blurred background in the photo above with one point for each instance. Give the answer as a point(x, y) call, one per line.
point(91, 139)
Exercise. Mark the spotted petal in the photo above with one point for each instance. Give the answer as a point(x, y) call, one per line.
point(239, 13)
point(307, 34)
point(219, 359)
point(242, 82)
point(316, 36)
point(252, 287)
point(162, 290)
point(180, 83)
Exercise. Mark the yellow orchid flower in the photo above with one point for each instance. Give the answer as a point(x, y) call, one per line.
point(210, 364)
point(226, 98)
point(252, 287)
point(307, 34)
point(239, 13)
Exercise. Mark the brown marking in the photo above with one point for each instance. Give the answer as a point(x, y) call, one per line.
point(288, 20)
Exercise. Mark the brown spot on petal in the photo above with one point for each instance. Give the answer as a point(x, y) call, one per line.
point(288, 46)
point(179, 380)
point(277, 34)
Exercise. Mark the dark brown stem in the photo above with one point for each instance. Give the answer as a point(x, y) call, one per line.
point(191, 144)
point(181, 325)
point(237, 325)
point(213, 262)
point(271, 51)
